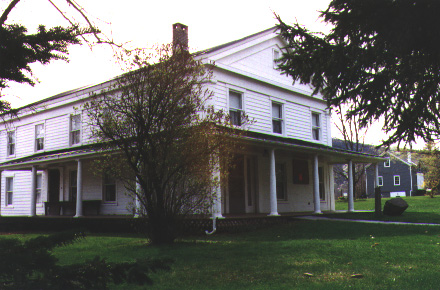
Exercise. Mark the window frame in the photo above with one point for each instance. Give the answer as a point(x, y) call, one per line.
point(284, 181)
point(388, 161)
point(394, 180)
point(280, 119)
point(380, 178)
point(239, 111)
point(316, 128)
point(8, 144)
point(9, 193)
point(106, 176)
point(36, 142)
point(71, 131)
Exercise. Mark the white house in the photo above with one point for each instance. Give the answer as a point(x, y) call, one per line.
point(47, 152)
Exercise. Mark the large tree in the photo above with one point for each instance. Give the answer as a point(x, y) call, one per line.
point(157, 127)
point(382, 56)
point(19, 49)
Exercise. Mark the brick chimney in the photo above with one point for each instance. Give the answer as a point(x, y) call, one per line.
point(180, 36)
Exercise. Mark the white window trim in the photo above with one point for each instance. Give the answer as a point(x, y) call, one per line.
point(7, 143)
point(70, 130)
point(387, 162)
point(394, 180)
point(316, 127)
point(242, 101)
point(283, 130)
point(380, 178)
point(115, 202)
point(6, 205)
point(44, 137)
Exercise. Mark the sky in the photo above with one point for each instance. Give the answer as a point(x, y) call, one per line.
point(137, 23)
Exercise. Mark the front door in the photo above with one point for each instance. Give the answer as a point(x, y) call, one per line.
point(54, 185)
point(236, 186)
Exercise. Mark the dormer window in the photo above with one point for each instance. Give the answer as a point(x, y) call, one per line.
point(277, 118)
point(39, 137)
point(235, 107)
point(316, 126)
point(276, 56)
point(11, 143)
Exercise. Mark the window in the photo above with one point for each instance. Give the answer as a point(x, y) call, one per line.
point(396, 179)
point(9, 190)
point(277, 118)
point(276, 55)
point(280, 171)
point(72, 185)
point(235, 107)
point(300, 171)
point(39, 186)
point(39, 137)
point(387, 163)
point(321, 183)
point(109, 188)
point(11, 143)
point(380, 181)
point(316, 126)
point(75, 129)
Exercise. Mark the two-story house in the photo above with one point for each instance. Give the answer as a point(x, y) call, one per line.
point(46, 153)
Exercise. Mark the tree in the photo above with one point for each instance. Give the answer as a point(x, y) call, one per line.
point(430, 163)
point(19, 49)
point(31, 265)
point(156, 124)
point(381, 58)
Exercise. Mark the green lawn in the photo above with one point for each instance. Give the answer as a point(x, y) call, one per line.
point(388, 257)
point(422, 209)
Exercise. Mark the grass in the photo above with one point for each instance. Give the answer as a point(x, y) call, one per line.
point(388, 257)
point(422, 209)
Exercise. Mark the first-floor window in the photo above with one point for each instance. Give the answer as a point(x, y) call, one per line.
point(72, 185)
point(9, 190)
point(380, 181)
point(321, 183)
point(109, 188)
point(396, 179)
point(280, 171)
point(39, 186)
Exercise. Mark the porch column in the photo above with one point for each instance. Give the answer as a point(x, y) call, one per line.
point(273, 185)
point(317, 200)
point(350, 186)
point(137, 200)
point(33, 191)
point(332, 187)
point(217, 206)
point(79, 211)
point(376, 174)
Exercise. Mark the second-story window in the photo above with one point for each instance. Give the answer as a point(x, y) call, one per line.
point(11, 143)
point(387, 163)
point(277, 118)
point(75, 129)
point(39, 137)
point(380, 180)
point(316, 126)
point(235, 107)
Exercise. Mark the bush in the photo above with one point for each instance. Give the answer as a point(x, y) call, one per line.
point(31, 265)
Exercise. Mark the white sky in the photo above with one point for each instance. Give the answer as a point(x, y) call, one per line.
point(145, 24)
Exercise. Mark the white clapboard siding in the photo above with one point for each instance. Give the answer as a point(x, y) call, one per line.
point(57, 132)
point(21, 193)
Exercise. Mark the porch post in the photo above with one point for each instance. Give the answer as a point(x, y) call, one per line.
point(317, 200)
point(376, 174)
point(79, 211)
point(33, 191)
point(273, 185)
point(350, 186)
point(137, 200)
point(332, 187)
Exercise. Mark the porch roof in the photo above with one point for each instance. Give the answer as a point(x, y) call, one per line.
point(64, 154)
point(335, 155)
